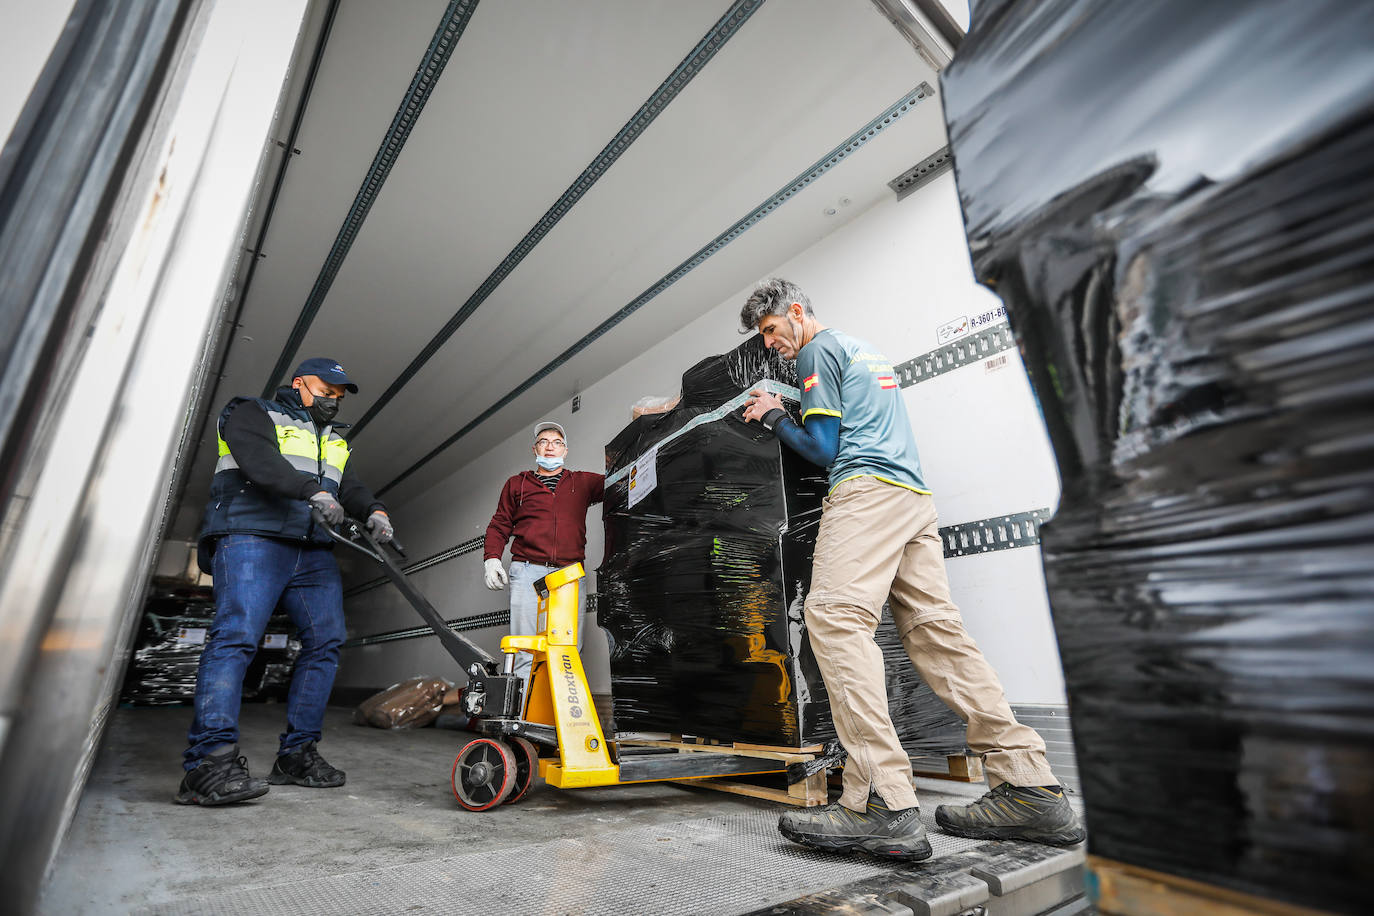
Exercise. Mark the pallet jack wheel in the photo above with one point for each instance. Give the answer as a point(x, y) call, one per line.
point(526, 765)
point(483, 774)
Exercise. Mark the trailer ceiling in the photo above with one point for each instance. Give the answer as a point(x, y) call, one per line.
point(529, 204)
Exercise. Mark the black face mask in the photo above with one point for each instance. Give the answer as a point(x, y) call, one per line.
point(323, 410)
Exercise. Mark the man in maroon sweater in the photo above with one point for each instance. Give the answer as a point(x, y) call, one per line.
point(546, 511)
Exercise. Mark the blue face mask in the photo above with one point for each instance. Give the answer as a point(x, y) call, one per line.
point(549, 464)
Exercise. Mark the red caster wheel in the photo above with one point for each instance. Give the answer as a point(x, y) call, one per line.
point(483, 774)
point(526, 766)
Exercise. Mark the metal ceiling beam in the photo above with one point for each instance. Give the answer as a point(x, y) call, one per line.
point(450, 30)
point(906, 104)
point(725, 28)
point(922, 173)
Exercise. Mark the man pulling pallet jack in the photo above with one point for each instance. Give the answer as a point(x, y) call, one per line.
point(879, 539)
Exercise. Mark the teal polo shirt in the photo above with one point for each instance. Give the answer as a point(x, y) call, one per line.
point(842, 376)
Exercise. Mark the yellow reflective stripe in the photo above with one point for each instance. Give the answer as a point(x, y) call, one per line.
point(226, 461)
point(895, 483)
point(336, 453)
point(292, 440)
point(300, 447)
point(822, 411)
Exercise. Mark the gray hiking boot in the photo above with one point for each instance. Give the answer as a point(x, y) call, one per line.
point(1040, 814)
point(876, 830)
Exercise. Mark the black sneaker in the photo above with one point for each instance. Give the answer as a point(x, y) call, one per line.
point(878, 830)
point(305, 767)
point(1040, 814)
point(220, 779)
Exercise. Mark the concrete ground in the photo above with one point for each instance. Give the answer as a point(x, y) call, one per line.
point(131, 848)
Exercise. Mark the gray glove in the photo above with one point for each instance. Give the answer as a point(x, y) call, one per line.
point(330, 508)
point(379, 526)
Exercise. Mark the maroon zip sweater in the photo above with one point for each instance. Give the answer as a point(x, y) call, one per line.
point(550, 528)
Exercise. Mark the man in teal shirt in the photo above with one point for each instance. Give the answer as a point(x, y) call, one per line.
point(879, 540)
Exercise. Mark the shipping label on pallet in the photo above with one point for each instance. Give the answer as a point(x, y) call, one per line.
point(191, 636)
point(643, 476)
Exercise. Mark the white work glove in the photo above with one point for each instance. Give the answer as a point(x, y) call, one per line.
point(495, 574)
point(379, 526)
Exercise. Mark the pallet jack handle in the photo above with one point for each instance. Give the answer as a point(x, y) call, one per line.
point(475, 661)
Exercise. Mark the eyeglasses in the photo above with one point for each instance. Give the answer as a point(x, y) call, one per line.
point(557, 443)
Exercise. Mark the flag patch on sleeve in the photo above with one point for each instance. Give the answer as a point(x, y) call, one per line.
point(811, 381)
point(886, 381)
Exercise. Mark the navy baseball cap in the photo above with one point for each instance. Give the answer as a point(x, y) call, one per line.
point(327, 370)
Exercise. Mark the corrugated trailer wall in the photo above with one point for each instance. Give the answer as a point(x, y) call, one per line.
point(123, 188)
point(897, 275)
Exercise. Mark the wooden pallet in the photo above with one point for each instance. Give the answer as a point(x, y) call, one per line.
point(1130, 890)
point(958, 768)
point(809, 792)
point(814, 790)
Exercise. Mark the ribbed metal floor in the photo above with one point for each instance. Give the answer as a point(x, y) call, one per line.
point(394, 841)
point(715, 865)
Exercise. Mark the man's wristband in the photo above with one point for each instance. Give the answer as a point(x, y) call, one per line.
point(771, 419)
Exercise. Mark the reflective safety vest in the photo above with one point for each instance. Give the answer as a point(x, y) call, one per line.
point(323, 456)
point(237, 505)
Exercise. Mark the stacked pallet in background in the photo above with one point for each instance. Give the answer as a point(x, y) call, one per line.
point(171, 637)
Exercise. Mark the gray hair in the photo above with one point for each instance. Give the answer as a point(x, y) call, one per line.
point(772, 297)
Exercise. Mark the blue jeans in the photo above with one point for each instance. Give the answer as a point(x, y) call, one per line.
point(524, 607)
point(252, 576)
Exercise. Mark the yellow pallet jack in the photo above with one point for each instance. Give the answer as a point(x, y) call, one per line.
point(553, 728)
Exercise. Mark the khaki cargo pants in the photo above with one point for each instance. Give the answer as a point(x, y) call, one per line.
point(880, 541)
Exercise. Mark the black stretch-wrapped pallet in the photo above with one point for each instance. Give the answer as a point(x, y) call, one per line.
point(1176, 202)
point(705, 576)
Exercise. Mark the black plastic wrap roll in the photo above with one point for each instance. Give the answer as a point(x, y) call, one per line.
point(702, 588)
point(1175, 200)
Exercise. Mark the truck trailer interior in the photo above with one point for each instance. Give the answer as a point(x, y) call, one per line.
point(501, 212)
